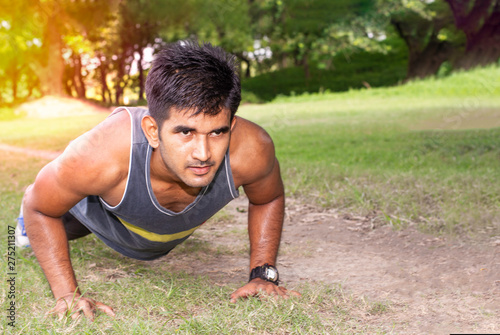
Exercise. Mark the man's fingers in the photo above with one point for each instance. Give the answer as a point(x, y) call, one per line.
point(88, 309)
point(74, 310)
point(283, 292)
point(56, 312)
point(240, 293)
point(106, 309)
point(272, 290)
point(74, 316)
point(261, 290)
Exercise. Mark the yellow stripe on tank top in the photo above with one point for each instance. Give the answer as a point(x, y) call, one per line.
point(154, 236)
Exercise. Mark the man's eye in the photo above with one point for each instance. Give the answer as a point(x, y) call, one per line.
point(186, 132)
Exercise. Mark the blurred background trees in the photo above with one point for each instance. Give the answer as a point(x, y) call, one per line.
point(102, 50)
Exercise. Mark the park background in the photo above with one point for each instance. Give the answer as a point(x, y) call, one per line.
point(385, 112)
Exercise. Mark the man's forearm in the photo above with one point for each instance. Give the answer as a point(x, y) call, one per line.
point(50, 245)
point(265, 223)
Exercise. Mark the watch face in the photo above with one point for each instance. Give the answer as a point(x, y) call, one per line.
point(271, 274)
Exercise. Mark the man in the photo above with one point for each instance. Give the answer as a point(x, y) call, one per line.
point(143, 180)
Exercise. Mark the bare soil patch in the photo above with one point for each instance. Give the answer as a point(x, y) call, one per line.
point(50, 106)
point(430, 285)
point(44, 154)
point(469, 118)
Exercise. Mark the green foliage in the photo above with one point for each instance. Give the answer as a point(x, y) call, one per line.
point(223, 22)
point(20, 39)
point(8, 114)
point(91, 45)
point(358, 70)
point(300, 31)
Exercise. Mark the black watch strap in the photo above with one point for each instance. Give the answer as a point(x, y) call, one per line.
point(266, 272)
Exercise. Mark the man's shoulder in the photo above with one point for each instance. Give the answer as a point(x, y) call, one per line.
point(251, 151)
point(108, 136)
point(102, 152)
point(247, 135)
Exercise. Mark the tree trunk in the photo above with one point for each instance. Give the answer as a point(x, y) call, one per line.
point(425, 55)
point(77, 76)
point(482, 54)
point(68, 80)
point(428, 61)
point(483, 45)
point(246, 60)
point(141, 74)
point(14, 74)
point(102, 77)
point(305, 64)
point(32, 84)
point(119, 79)
point(480, 21)
point(50, 68)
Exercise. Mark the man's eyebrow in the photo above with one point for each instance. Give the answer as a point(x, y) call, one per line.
point(181, 129)
point(223, 130)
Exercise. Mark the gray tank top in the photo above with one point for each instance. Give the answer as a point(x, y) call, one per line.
point(139, 227)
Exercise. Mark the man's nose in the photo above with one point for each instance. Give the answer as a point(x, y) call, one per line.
point(201, 151)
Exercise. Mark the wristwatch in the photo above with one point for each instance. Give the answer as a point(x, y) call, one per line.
point(266, 272)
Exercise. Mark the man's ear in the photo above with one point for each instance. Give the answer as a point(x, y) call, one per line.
point(233, 122)
point(150, 128)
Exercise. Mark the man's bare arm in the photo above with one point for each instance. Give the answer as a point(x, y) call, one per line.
point(265, 191)
point(50, 245)
point(78, 172)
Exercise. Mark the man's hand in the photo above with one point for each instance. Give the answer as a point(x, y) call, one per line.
point(74, 304)
point(260, 286)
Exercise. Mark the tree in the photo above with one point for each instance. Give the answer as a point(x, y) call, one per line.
point(52, 23)
point(225, 23)
point(18, 46)
point(83, 36)
point(293, 27)
point(427, 30)
point(480, 22)
point(140, 25)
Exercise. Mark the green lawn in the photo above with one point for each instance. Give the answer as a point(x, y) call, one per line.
point(46, 134)
point(426, 153)
point(406, 154)
point(154, 297)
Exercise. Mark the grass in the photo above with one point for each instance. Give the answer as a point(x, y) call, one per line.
point(46, 134)
point(159, 298)
point(153, 299)
point(406, 154)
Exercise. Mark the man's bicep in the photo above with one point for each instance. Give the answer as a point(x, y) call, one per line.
point(267, 187)
point(53, 193)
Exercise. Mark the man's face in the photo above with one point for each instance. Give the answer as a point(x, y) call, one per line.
point(193, 147)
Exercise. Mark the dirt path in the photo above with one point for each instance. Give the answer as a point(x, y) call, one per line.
point(430, 285)
point(49, 155)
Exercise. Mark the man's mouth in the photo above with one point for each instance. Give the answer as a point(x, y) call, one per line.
point(200, 170)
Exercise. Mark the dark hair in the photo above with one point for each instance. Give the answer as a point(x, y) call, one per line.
point(187, 75)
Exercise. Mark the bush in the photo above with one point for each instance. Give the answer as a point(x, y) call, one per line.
point(359, 70)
